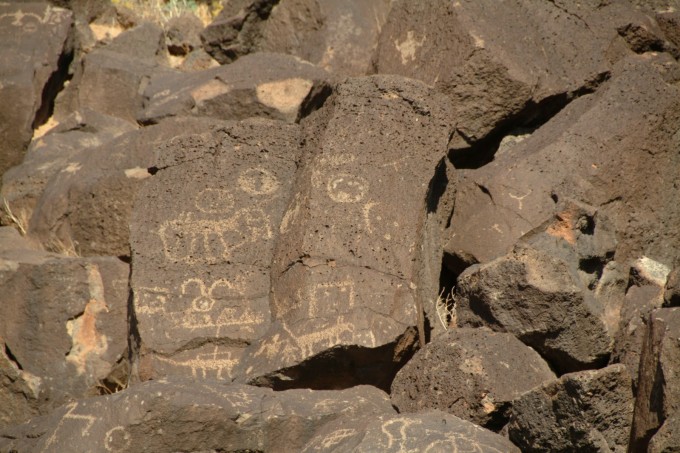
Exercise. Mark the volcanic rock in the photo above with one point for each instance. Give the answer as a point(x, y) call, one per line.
point(354, 264)
point(428, 431)
point(337, 35)
point(584, 411)
point(202, 237)
point(63, 323)
point(183, 415)
point(36, 47)
point(89, 202)
point(471, 373)
point(534, 296)
point(266, 85)
point(658, 393)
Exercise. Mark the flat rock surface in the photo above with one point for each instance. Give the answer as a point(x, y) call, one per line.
point(202, 240)
point(182, 415)
point(427, 431)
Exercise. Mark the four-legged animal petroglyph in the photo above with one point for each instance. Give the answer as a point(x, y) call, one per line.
point(216, 361)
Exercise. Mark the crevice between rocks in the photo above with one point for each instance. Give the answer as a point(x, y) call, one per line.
point(529, 119)
point(346, 366)
point(54, 85)
point(12, 358)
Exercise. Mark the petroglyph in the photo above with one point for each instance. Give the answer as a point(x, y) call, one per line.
point(258, 181)
point(117, 439)
point(408, 47)
point(346, 188)
point(69, 415)
point(216, 361)
point(205, 299)
point(400, 424)
point(150, 300)
point(29, 21)
point(336, 437)
point(336, 296)
point(214, 201)
point(191, 240)
point(519, 198)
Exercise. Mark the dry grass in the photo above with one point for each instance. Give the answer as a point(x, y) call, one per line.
point(20, 221)
point(444, 306)
point(161, 11)
point(66, 247)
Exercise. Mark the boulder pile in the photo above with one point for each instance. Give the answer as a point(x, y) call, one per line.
point(340, 225)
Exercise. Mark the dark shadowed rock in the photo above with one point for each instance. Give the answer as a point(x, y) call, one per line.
point(54, 152)
point(671, 294)
point(202, 237)
point(507, 62)
point(534, 296)
point(471, 373)
point(267, 85)
point(88, 203)
point(21, 392)
point(638, 304)
point(428, 431)
point(354, 265)
point(585, 411)
point(182, 34)
point(658, 393)
point(337, 35)
point(183, 415)
point(64, 320)
point(581, 155)
point(36, 43)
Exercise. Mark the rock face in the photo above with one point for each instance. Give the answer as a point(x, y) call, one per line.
point(345, 273)
point(37, 44)
point(580, 156)
point(428, 431)
point(533, 296)
point(469, 205)
point(337, 35)
point(202, 238)
point(88, 203)
point(65, 350)
point(504, 63)
point(280, 89)
point(471, 373)
point(658, 396)
point(585, 411)
point(180, 415)
point(55, 152)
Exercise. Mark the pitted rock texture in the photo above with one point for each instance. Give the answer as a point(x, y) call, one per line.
point(471, 373)
point(532, 295)
point(202, 237)
point(584, 411)
point(346, 269)
point(182, 415)
point(427, 431)
point(274, 86)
